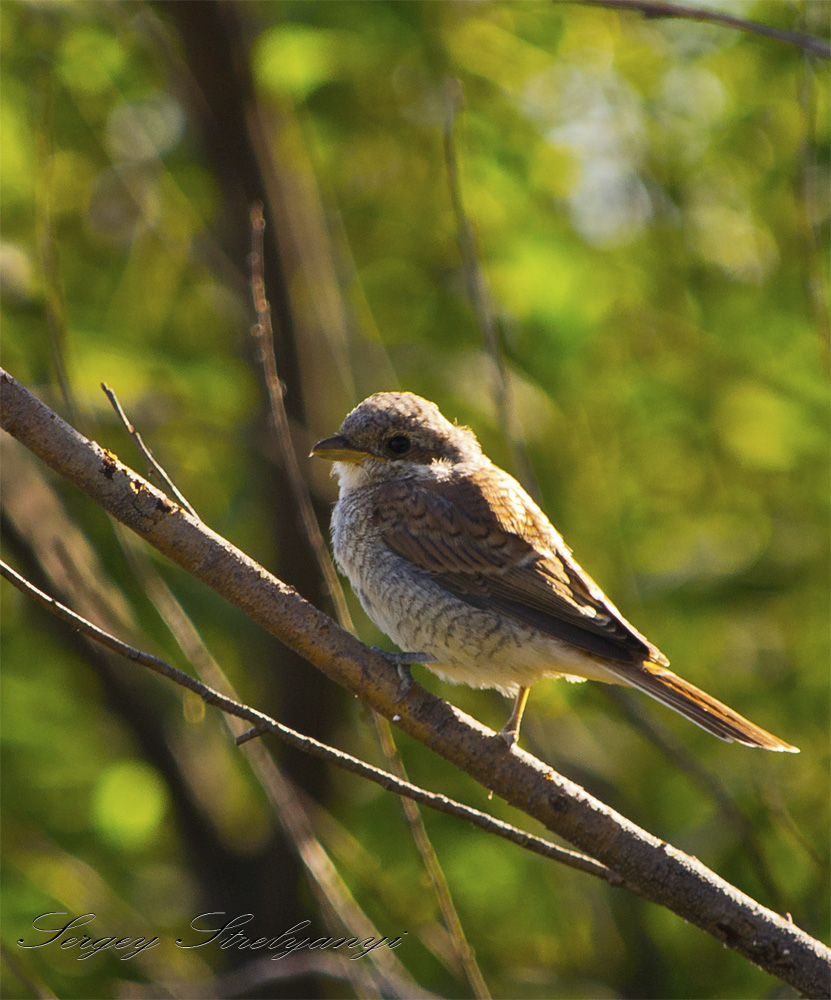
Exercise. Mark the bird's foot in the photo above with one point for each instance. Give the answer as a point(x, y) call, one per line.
point(507, 735)
point(401, 662)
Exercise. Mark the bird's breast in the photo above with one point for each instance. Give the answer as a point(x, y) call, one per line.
point(472, 646)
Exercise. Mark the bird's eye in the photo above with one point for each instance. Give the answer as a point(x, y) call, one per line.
point(399, 444)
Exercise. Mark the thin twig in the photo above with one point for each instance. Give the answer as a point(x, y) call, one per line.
point(649, 866)
point(263, 332)
point(264, 335)
point(337, 904)
point(660, 8)
point(151, 460)
point(430, 860)
point(307, 744)
point(435, 872)
point(336, 901)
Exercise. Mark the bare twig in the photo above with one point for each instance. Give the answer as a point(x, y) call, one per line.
point(441, 803)
point(264, 335)
point(659, 8)
point(337, 902)
point(648, 865)
point(142, 447)
point(435, 873)
point(289, 808)
point(338, 907)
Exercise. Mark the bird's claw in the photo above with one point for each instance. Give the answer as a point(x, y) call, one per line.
point(403, 672)
point(401, 663)
point(402, 659)
point(508, 736)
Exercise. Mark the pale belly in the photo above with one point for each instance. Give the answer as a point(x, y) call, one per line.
point(471, 646)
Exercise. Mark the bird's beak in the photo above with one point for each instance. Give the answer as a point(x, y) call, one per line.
point(338, 449)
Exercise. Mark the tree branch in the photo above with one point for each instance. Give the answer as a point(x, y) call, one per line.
point(650, 867)
point(660, 8)
point(265, 724)
point(263, 334)
point(138, 440)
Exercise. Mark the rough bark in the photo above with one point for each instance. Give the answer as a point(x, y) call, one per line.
point(649, 866)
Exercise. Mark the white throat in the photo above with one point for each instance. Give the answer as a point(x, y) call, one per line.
point(351, 475)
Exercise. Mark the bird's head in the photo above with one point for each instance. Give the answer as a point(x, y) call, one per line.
point(391, 432)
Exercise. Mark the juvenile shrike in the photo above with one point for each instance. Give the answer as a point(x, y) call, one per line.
point(453, 560)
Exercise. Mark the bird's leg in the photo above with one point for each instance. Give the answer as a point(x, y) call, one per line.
point(401, 662)
point(510, 731)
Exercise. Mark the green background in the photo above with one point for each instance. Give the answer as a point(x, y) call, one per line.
point(650, 205)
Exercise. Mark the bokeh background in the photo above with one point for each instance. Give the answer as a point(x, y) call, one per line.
point(601, 240)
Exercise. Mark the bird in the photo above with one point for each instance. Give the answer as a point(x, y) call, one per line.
point(453, 560)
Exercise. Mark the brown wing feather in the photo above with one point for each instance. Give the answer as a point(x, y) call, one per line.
point(479, 535)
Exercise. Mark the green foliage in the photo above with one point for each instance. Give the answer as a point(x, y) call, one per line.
point(650, 205)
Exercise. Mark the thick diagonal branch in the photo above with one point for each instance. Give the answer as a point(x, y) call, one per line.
point(651, 868)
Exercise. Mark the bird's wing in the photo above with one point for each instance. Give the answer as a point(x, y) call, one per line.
point(480, 536)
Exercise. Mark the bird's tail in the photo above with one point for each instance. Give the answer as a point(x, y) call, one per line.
point(698, 706)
